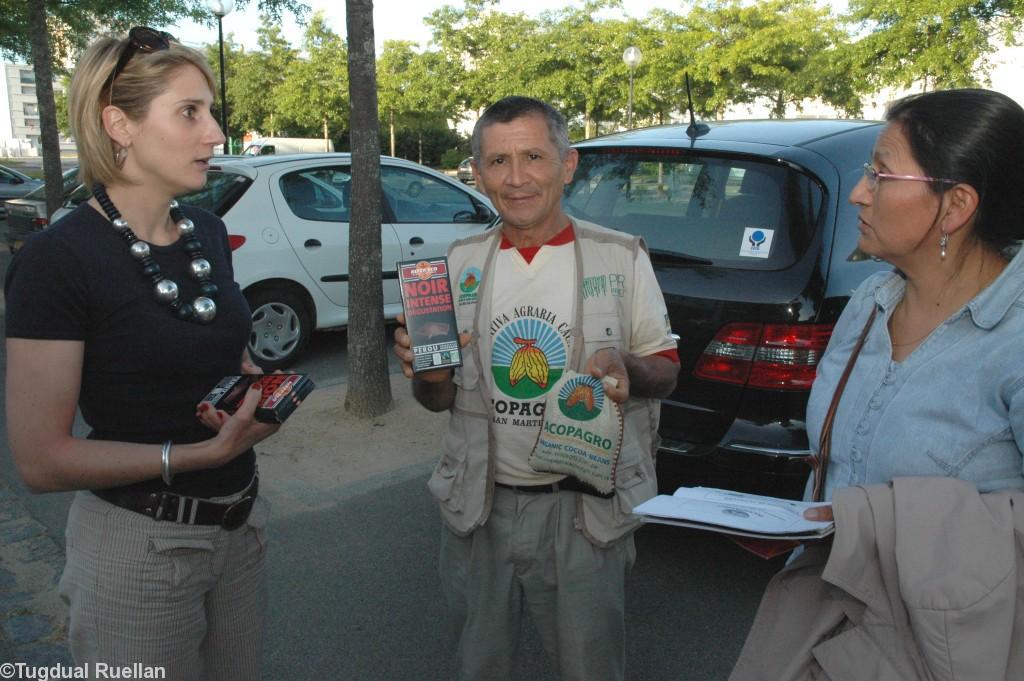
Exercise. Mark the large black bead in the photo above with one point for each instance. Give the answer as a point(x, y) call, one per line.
point(184, 312)
point(193, 246)
point(151, 269)
point(209, 289)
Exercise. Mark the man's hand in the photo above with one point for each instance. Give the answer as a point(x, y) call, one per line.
point(609, 362)
point(435, 389)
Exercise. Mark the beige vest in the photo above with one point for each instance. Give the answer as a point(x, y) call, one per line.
point(463, 481)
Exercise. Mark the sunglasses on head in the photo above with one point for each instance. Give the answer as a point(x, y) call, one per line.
point(140, 39)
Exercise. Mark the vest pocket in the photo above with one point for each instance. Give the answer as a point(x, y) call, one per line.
point(445, 483)
point(633, 486)
point(601, 331)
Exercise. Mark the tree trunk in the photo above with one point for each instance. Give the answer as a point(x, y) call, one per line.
point(326, 137)
point(391, 125)
point(369, 386)
point(42, 65)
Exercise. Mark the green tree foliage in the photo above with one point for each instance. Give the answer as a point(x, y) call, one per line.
point(941, 43)
point(314, 92)
point(488, 54)
point(73, 23)
point(254, 79)
point(579, 62)
point(776, 51)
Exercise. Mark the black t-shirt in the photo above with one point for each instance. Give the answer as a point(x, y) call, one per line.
point(144, 371)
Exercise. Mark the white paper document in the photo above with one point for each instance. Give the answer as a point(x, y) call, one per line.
point(748, 515)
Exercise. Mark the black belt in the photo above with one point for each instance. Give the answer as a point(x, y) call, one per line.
point(568, 484)
point(186, 510)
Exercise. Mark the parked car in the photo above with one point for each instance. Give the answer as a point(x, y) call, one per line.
point(287, 145)
point(13, 185)
point(753, 242)
point(465, 171)
point(287, 220)
point(28, 214)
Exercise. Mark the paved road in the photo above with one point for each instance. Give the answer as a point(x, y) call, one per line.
point(354, 591)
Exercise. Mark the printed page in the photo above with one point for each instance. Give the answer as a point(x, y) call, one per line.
point(733, 512)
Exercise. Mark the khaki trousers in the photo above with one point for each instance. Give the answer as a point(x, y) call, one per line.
point(529, 556)
point(188, 598)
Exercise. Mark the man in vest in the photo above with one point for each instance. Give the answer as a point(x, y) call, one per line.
point(540, 295)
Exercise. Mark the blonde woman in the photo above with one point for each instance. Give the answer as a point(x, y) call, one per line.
point(127, 309)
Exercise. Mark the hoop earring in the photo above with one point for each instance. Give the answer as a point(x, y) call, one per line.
point(943, 242)
point(119, 156)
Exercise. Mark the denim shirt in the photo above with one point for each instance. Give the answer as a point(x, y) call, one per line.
point(954, 407)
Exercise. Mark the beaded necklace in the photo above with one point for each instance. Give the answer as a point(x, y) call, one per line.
point(202, 309)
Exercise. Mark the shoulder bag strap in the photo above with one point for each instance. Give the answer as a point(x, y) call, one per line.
point(819, 461)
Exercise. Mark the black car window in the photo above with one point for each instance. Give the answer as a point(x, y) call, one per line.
point(221, 192)
point(727, 212)
point(69, 180)
point(318, 194)
point(416, 197)
point(82, 193)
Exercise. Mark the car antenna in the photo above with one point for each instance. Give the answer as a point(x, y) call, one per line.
point(694, 129)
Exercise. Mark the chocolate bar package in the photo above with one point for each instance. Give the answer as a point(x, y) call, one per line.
point(282, 393)
point(429, 314)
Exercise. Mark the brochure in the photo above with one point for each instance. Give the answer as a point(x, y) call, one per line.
point(429, 314)
point(281, 394)
point(736, 513)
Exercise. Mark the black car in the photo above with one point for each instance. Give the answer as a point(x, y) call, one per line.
point(465, 171)
point(28, 214)
point(754, 245)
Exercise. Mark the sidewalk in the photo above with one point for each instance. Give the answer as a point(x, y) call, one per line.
point(320, 451)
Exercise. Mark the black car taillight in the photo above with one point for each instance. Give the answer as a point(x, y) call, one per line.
point(773, 356)
point(39, 223)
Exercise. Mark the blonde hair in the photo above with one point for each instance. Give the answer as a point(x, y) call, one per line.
point(144, 78)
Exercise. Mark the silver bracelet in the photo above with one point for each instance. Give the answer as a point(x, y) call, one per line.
point(165, 462)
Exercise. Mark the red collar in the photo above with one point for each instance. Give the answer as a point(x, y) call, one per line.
point(566, 236)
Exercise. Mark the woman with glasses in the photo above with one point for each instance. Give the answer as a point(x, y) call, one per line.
point(942, 201)
point(127, 309)
point(924, 442)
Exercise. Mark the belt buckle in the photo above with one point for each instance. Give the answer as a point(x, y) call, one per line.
point(237, 513)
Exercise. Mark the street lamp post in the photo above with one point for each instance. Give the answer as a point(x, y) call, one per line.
point(222, 8)
point(631, 57)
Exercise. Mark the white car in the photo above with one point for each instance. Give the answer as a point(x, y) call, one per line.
point(287, 219)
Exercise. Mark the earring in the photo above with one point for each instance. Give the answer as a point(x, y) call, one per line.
point(943, 242)
point(120, 155)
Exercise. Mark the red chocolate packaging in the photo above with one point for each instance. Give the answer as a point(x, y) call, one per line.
point(282, 393)
point(429, 314)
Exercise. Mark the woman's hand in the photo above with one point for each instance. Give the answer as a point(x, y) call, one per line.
point(238, 432)
point(248, 366)
point(819, 514)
